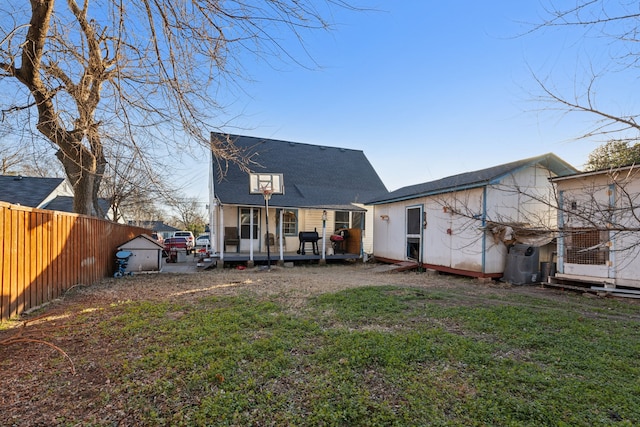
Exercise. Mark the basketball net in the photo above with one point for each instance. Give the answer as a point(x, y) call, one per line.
point(266, 192)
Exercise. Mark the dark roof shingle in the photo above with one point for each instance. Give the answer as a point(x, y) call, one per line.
point(314, 176)
point(474, 179)
point(27, 191)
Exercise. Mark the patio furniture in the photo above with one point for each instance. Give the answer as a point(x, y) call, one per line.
point(270, 240)
point(231, 238)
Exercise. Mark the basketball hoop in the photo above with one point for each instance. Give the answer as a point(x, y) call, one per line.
point(266, 184)
point(260, 183)
point(266, 192)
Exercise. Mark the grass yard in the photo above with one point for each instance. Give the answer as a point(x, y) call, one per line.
point(383, 355)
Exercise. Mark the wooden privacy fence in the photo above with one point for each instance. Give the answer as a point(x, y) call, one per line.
point(44, 253)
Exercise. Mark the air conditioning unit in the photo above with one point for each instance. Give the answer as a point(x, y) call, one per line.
point(522, 265)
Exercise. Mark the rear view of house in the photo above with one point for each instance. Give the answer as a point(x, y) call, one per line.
point(465, 223)
point(324, 190)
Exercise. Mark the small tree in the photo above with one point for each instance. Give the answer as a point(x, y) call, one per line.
point(613, 154)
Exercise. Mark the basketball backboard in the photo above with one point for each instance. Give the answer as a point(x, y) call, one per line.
point(272, 183)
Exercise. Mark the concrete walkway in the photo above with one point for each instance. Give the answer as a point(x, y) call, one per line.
point(189, 266)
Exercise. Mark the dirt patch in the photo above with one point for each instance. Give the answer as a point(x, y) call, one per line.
point(41, 388)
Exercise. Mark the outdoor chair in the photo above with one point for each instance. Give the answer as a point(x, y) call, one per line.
point(231, 238)
point(270, 240)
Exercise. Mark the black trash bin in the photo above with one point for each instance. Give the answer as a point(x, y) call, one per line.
point(547, 269)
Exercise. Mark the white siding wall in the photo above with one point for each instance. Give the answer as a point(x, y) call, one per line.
point(454, 237)
point(623, 267)
point(627, 261)
point(389, 231)
point(367, 233)
point(308, 220)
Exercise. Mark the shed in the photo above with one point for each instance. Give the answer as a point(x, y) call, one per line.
point(458, 224)
point(599, 222)
point(146, 254)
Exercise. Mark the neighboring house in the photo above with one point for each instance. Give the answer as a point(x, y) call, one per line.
point(33, 192)
point(317, 179)
point(53, 194)
point(465, 223)
point(65, 204)
point(159, 227)
point(599, 224)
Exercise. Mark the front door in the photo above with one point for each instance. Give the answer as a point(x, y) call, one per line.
point(414, 233)
point(246, 215)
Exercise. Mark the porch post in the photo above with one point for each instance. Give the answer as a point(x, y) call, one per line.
point(280, 238)
point(212, 209)
point(250, 237)
point(323, 260)
point(221, 233)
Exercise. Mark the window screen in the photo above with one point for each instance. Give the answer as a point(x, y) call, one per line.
point(414, 222)
point(342, 219)
point(586, 246)
point(358, 220)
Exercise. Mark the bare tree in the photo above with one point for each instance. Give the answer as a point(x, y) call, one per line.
point(134, 186)
point(87, 69)
point(10, 159)
point(598, 213)
point(191, 215)
point(618, 23)
point(27, 156)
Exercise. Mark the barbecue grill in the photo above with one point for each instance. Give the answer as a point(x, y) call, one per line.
point(308, 237)
point(339, 241)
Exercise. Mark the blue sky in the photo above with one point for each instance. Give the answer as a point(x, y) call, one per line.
point(426, 89)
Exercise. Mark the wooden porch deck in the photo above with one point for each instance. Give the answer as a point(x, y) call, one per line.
point(261, 258)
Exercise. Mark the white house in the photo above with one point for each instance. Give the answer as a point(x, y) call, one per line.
point(464, 223)
point(599, 221)
point(54, 194)
point(325, 189)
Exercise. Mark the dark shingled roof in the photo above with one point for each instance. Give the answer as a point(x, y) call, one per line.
point(27, 191)
point(474, 179)
point(65, 204)
point(153, 225)
point(314, 176)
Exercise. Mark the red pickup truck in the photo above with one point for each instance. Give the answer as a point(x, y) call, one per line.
point(174, 244)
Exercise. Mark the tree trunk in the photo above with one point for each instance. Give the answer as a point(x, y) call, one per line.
point(80, 172)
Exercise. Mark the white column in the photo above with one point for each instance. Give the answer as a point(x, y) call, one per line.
point(250, 234)
point(221, 232)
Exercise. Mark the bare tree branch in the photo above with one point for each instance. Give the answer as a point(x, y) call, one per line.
point(146, 70)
